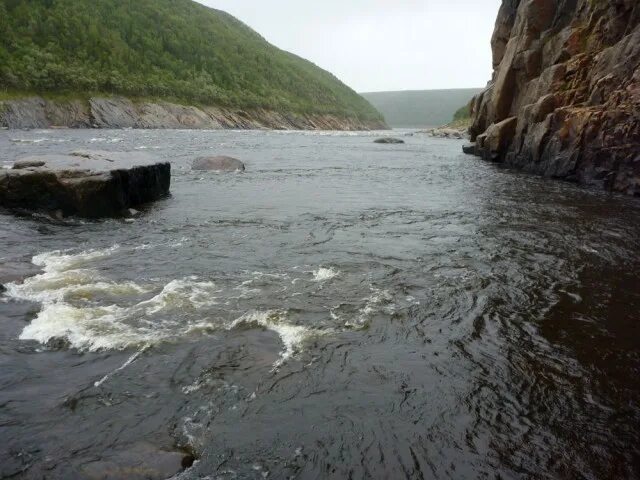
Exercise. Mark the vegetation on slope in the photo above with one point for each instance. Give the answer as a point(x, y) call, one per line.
point(172, 49)
point(420, 108)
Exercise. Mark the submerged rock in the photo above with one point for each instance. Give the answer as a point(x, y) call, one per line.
point(218, 164)
point(140, 462)
point(389, 140)
point(90, 184)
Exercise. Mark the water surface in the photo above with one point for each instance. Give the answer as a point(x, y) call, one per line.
point(341, 310)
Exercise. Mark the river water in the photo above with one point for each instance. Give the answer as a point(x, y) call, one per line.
point(341, 310)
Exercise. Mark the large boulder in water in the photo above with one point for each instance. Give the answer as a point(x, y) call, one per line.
point(218, 164)
point(389, 140)
point(91, 184)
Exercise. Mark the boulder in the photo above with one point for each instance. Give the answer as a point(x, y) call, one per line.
point(389, 140)
point(469, 148)
point(90, 184)
point(218, 164)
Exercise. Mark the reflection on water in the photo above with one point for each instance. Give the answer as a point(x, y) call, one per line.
point(342, 310)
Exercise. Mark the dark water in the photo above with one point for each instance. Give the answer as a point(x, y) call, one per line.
point(342, 310)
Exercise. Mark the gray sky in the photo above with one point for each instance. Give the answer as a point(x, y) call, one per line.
point(375, 45)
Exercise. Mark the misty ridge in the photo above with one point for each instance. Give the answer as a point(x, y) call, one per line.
point(420, 108)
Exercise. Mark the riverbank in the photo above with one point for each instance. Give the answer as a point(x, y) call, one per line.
point(121, 112)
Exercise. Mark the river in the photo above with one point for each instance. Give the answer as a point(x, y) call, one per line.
point(341, 310)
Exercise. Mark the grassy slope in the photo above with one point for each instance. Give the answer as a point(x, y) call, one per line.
point(420, 108)
point(171, 49)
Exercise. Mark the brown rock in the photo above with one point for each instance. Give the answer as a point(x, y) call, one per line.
point(567, 79)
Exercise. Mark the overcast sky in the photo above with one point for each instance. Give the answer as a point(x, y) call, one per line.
point(376, 45)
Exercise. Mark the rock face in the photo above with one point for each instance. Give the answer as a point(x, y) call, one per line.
point(218, 164)
point(89, 184)
point(119, 112)
point(389, 140)
point(564, 100)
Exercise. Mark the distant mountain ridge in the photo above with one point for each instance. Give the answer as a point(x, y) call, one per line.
point(160, 50)
point(420, 108)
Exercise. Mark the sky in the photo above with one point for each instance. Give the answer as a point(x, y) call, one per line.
point(380, 45)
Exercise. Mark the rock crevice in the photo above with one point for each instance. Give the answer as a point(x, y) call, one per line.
point(567, 82)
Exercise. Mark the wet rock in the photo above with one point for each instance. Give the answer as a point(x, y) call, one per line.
point(140, 462)
point(28, 164)
point(2, 288)
point(389, 140)
point(569, 73)
point(58, 343)
point(218, 164)
point(91, 184)
point(469, 148)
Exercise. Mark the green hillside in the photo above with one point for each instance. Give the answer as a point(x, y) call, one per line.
point(171, 49)
point(420, 108)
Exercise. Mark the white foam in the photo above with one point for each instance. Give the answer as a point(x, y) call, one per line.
point(324, 274)
point(29, 140)
point(374, 303)
point(129, 361)
point(67, 290)
point(181, 294)
point(292, 336)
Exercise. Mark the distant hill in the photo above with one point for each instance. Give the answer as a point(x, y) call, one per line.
point(174, 50)
point(420, 108)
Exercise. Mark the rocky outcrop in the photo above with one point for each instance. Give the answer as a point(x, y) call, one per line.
point(119, 112)
point(447, 131)
point(389, 140)
point(564, 100)
point(218, 164)
point(89, 184)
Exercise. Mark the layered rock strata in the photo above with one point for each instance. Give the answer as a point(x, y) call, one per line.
point(119, 112)
point(564, 100)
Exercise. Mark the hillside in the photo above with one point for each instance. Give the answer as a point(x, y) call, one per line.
point(175, 50)
point(420, 108)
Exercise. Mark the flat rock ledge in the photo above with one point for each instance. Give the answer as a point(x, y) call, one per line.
point(389, 140)
point(89, 184)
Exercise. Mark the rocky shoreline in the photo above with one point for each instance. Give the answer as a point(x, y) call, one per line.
point(564, 100)
point(120, 112)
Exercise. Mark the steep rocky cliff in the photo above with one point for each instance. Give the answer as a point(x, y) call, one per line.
point(564, 100)
point(120, 112)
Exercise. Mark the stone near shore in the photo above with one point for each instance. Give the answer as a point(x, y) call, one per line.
point(218, 164)
point(389, 140)
point(90, 184)
point(469, 148)
point(448, 132)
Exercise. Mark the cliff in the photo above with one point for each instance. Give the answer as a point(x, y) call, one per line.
point(564, 100)
point(120, 112)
